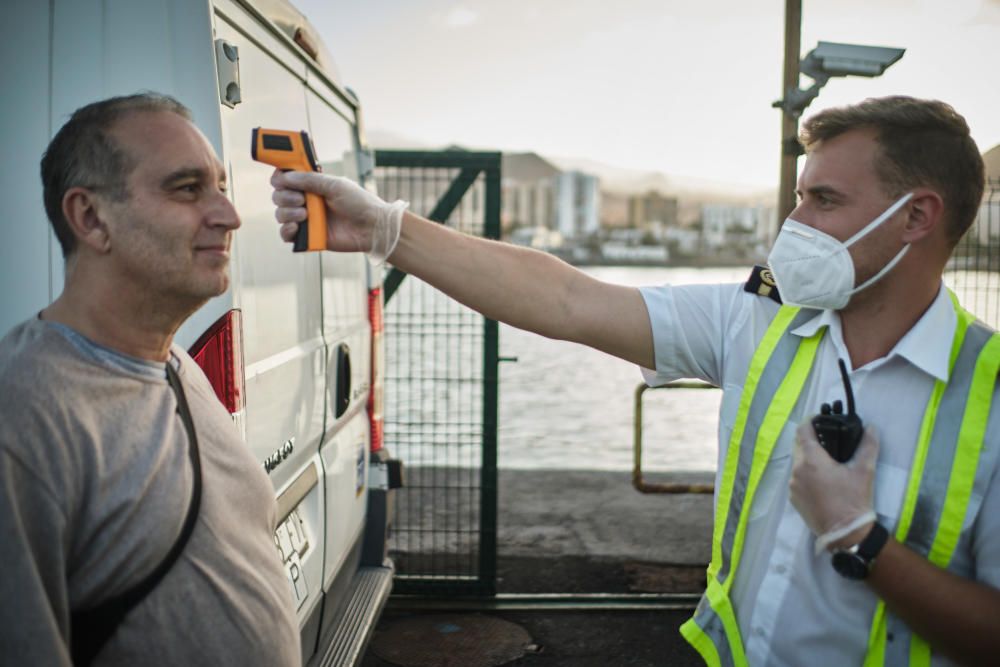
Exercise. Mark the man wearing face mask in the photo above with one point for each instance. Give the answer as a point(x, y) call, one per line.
point(891, 558)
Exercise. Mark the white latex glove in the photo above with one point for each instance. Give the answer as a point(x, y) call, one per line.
point(834, 499)
point(356, 219)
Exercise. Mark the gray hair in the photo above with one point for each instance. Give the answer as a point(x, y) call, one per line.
point(84, 154)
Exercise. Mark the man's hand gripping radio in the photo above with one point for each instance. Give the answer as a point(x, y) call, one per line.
point(839, 433)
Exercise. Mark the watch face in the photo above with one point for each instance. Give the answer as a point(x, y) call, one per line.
point(850, 565)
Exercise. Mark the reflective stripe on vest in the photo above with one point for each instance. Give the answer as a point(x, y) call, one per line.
point(942, 476)
point(778, 371)
point(944, 472)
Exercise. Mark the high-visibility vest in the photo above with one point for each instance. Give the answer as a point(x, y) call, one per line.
point(944, 472)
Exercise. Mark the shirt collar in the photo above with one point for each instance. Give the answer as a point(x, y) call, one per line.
point(927, 345)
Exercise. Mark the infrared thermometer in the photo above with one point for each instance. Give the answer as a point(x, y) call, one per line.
point(290, 151)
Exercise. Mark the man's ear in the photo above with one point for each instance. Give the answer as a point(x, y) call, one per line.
point(925, 215)
point(83, 211)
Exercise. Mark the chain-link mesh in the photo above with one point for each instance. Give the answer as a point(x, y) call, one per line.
point(974, 270)
point(438, 392)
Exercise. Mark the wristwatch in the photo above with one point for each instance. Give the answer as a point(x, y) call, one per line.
point(856, 562)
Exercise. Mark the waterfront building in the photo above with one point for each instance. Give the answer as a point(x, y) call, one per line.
point(987, 225)
point(652, 207)
point(578, 200)
point(743, 230)
point(536, 193)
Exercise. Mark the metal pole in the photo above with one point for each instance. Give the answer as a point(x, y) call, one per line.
point(789, 121)
point(491, 349)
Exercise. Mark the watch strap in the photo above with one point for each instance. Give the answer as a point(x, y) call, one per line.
point(856, 562)
point(872, 544)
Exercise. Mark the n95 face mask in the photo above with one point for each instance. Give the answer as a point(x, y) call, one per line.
point(815, 270)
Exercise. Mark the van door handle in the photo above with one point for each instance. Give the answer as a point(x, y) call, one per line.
point(342, 391)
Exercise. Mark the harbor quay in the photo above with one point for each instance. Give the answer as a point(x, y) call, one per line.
point(559, 533)
point(599, 514)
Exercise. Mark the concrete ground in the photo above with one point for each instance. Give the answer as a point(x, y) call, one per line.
point(579, 639)
point(585, 532)
point(600, 515)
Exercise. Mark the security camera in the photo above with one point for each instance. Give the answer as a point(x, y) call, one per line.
point(832, 59)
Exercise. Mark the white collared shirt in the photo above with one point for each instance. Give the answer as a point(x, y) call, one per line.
point(792, 607)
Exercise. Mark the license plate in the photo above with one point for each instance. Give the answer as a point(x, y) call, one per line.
point(292, 543)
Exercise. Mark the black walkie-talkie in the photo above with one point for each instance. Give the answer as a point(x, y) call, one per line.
point(839, 433)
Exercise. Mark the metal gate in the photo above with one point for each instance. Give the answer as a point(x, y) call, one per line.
point(441, 387)
point(974, 269)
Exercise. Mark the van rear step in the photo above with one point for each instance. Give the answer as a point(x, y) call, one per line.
point(370, 589)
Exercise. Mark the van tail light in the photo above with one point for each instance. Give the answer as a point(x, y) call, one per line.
point(377, 392)
point(219, 352)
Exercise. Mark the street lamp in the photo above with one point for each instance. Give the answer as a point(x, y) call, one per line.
point(828, 59)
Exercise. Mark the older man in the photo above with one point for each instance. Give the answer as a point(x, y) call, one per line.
point(890, 558)
point(135, 528)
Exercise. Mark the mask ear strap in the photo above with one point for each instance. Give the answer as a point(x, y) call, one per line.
point(879, 220)
point(886, 269)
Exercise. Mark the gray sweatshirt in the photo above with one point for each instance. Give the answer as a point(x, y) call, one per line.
point(95, 482)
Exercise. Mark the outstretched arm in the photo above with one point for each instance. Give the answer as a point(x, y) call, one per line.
point(525, 288)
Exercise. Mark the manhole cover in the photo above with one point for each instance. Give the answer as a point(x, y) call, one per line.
point(446, 640)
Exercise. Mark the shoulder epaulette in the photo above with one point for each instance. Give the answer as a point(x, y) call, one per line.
point(762, 283)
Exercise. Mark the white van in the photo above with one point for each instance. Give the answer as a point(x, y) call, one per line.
point(294, 347)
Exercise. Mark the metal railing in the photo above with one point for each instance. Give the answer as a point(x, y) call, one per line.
point(638, 479)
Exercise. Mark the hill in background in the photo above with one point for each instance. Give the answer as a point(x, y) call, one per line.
point(690, 192)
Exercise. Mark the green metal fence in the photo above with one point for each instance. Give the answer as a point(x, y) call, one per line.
point(441, 387)
point(974, 270)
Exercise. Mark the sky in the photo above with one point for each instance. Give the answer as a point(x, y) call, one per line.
point(683, 87)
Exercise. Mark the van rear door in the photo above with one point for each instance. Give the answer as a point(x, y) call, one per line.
point(348, 335)
point(279, 294)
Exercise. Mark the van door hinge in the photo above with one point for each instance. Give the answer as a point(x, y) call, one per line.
point(385, 475)
point(227, 64)
point(394, 468)
point(366, 164)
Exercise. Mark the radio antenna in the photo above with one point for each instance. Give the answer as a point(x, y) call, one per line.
point(847, 387)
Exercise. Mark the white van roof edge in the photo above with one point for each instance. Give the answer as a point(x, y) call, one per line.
point(292, 27)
